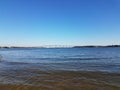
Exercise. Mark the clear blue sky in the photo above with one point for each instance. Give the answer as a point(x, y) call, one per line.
point(59, 22)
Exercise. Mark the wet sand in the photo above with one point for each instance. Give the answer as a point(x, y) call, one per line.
point(62, 80)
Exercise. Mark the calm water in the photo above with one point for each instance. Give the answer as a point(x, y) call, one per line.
point(60, 69)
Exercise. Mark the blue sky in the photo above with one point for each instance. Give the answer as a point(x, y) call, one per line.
point(59, 22)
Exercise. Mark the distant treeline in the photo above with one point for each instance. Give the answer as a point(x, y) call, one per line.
point(20, 47)
point(96, 46)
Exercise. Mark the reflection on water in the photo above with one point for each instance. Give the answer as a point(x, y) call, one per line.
point(60, 69)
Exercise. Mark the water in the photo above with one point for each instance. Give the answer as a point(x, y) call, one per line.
point(60, 69)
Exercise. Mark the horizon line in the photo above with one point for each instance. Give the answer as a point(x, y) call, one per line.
point(59, 46)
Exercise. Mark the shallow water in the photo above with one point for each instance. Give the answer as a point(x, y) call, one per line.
point(60, 69)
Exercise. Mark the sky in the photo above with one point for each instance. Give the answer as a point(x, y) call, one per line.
point(59, 22)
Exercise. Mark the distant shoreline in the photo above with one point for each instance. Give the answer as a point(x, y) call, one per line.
point(92, 46)
point(89, 46)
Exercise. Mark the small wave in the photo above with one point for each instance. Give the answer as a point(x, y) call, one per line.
point(17, 63)
point(69, 58)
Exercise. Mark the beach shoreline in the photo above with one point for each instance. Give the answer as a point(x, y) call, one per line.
point(67, 80)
